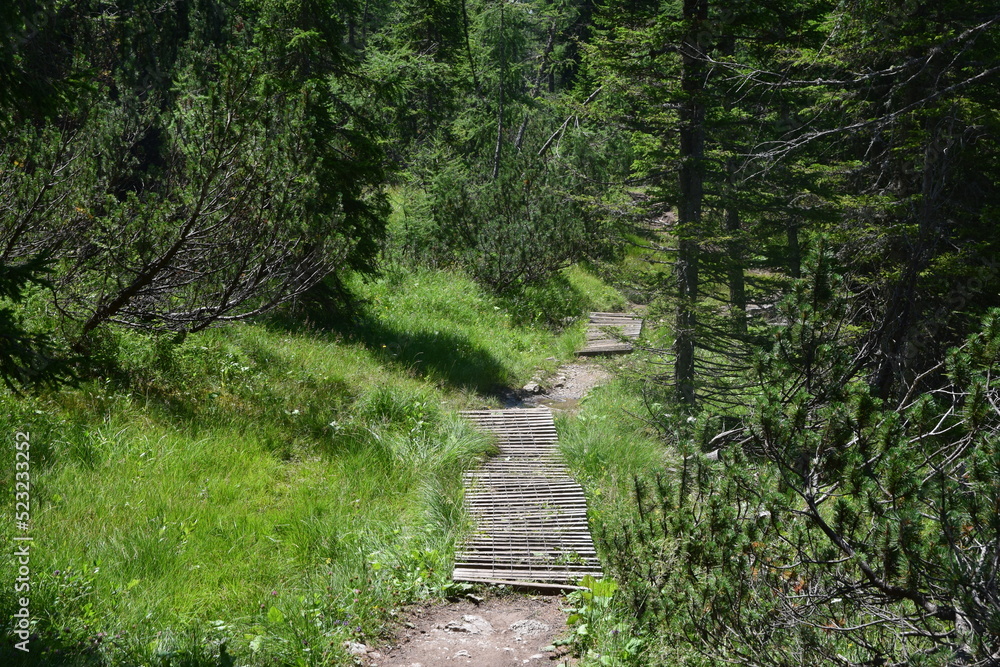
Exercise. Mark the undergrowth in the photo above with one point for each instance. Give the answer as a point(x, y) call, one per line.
point(607, 446)
point(262, 493)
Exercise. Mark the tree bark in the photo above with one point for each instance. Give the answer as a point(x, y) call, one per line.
point(794, 250)
point(537, 85)
point(692, 176)
point(735, 259)
point(902, 312)
point(468, 45)
point(503, 74)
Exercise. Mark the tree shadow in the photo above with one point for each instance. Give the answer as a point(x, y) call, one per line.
point(443, 356)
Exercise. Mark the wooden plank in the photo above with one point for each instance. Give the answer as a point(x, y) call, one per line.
point(534, 550)
point(522, 584)
point(604, 331)
point(546, 560)
point(530, 515)
point(527, 575)
point(539, 572)
point(560, 558)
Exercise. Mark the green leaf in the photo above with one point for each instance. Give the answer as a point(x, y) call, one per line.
point(275, 616)
point(604, 588)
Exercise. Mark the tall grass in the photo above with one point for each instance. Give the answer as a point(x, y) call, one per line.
point(259, 494)
point(608, 446)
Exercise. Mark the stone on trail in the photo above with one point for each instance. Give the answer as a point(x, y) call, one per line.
point(355, 648)
point(528, 627)
point(474, 625)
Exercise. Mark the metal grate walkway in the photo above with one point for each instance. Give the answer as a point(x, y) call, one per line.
point(604, 331)
point(531, 517)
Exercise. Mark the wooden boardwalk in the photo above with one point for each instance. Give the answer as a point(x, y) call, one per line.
point(531, 517)
point(605, 330)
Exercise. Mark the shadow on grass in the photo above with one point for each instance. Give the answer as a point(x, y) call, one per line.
point(442, 356)
point(447, 357)
point(88, 653)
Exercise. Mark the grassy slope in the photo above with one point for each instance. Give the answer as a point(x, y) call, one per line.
point(608, 446)
point(259, 491)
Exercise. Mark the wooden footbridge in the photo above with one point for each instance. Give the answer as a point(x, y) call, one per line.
point(605, 332)
point(531, 517)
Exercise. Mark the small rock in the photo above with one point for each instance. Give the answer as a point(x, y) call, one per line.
point(537, 656)
point(374, 655)
point(354, 648)
point(463, 654)
point(533, 388)
point(409, 625)
point(529, 627)
point(470, 623)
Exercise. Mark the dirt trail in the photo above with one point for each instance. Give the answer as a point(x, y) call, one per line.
point(561, 392)
point(504, 630)
point(510, 630)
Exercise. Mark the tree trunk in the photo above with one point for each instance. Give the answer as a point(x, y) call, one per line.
point(737, 283)
point(794, 251)
point(364, 26)
point(503, 74)
point(537, 85)
point(468, 45)
point(692, 176)
point(902, 310)
point(735, 259)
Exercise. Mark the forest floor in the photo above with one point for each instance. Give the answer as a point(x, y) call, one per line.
point(509, 629)
point(562, 391)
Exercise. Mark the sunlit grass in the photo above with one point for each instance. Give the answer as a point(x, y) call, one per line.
point(608, 444)
point(275, 491)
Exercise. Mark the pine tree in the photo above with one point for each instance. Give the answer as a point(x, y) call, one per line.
point(220, 165)
point(675, 77)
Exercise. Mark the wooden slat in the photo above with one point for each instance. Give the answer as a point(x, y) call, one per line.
point(604, 331)
point(531, 517)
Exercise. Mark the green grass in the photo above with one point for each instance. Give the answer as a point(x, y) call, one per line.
point(444, 329)
point(261, 492)
point(607, 446)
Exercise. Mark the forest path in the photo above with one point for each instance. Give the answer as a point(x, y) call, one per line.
point(562, 391)
point(503, 629)
point(530, 515)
